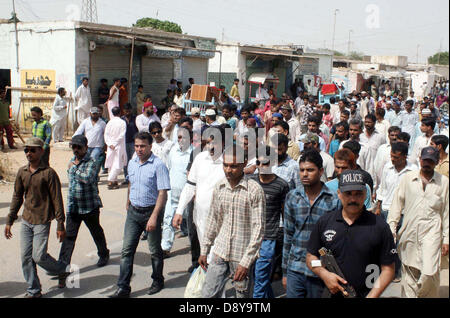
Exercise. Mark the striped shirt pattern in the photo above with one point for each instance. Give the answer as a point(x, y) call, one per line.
point(289, 171)
point(299, 220)
point(146, 180)
point(275, 193)
point(42, 130)
point(235, 223)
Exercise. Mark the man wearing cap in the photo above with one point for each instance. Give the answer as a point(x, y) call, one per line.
point(38, 189)
point(360, 241)
point(423, 238)
point(146, 118)
point(294, 124)
point(197, 122)
point(93, 129)
point(83, 204)
point(210, 116)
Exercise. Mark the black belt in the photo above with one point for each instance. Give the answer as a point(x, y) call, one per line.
point(142, 210)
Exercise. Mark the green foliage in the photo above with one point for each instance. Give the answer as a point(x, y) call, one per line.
point(439, 58)
point(337, 53)
point(356, 56)
point(158, 25)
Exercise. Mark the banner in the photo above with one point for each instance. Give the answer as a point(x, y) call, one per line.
point(37, 79)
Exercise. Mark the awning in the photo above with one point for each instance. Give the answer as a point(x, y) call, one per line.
point(269, 53)
point(261, 78)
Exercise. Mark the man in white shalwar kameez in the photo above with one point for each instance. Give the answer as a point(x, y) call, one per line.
point(59, 116)
point(206, 171)
point(83, 101)
point(423, 237)
point(116, 156)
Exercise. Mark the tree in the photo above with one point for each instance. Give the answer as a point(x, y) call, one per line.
point(158, 25)
point(337, 53)
point(356, 56)
point(439, 58)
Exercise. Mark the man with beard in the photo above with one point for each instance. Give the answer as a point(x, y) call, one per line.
point(423, 238)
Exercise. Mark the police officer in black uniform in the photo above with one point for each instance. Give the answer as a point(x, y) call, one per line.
point(360, 241)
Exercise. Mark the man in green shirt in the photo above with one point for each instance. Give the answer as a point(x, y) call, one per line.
point(4, 121)
point(43, 130)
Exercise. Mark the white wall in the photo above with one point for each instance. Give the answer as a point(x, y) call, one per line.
point(325, 67)
point(232, 62)
point(42, 45)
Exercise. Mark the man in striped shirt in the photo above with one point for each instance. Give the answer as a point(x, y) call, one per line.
point(304, 206)
point(42, 130)
point(275, 190)
point(235, 226)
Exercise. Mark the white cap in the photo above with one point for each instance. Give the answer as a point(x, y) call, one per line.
point(210, 112)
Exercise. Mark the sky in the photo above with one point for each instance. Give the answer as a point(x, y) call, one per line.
point(376, 27)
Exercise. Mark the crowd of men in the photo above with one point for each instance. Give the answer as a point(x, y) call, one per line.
point(259, 190)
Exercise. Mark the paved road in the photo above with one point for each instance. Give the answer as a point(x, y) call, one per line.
point(99, 282)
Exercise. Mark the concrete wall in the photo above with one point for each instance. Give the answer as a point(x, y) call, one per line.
point(42, 46)
point(400, 61)
point(232, 62)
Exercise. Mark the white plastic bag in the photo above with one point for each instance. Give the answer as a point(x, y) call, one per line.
point(195, 284)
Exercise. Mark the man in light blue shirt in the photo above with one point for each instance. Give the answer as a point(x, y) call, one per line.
point(147, 195)
point(287, 168)
point(177, 163)
point(94, 130)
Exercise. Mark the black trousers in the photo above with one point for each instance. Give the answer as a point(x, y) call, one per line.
point(73, 222)
point(46, 156)
point(193, 238)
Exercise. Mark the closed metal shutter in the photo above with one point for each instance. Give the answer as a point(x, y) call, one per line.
point(156, 76)
point(107, 62)
point(196, 68)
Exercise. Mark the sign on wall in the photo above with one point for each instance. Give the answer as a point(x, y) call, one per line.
point(40, 80)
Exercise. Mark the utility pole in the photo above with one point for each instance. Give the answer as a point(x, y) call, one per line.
point(440, 50)
point(223, 34)
point(14, 16)
point(89, 11)
point(417, 61)
point(334, 28)
point(349, 42)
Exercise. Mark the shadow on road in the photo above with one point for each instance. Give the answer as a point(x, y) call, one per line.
point(4, 204)
point(12, 289)
point(86, 285)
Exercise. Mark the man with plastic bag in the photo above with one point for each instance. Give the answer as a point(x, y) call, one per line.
point(235, 225)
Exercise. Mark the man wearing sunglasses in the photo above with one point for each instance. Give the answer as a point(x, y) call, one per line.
point(83, 204)
point(275, 191)
point(38, 188)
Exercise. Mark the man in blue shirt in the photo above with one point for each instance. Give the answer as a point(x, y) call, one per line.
point(304, 206)
point(177, 163)
point(147, 196)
